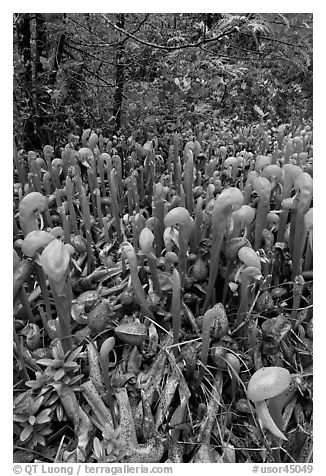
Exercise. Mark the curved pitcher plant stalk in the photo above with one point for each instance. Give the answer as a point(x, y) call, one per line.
point(177, 177)
point(196, 236)
point(275, 154)
point(232, 164)
point(97, 195)
point(252, 175)
point(140, 221)
point(149, 167)
point(141, 184)
point(210, 192)
point(47, 183)
point(65, 222)
point(308, 221)
point(100, 169)
point(234, 365)
point(70, 199)
point(210, 167)
point(85, 136)
point(93, 141)
point(180, 216)
point(267, 384)
point(302, 159)
point(35, 174)
point(171, 260)
point(230, 199)
point(272, 221)
point(68, 157)
point(298, 287)
point(290, 173)
point(262, 161)
point(249, 257)
point(87, 222)
point(33, 243)
point(206, 339)
point(128, 193)
point(104, 357)
point(224, 360)
point(176, 163)
point(92, 183)
point(223, 152)
point(130, 254)
point(263, 188)
point(115, 204)
point(176, 309)
point(169, 162)
point(303, 185)
point(107, 164)
point(231, 252)
point(288, 150)
point(56, 168)
point(280, 135)
point(242, 218)
point(85, 157)
point(55, 260)
point(158, 212)
point(189, 179)
point(297, 144)
point(248, 277)
point(134, 191)
point(117, 165)
point(273, 173)
point(29, 205)
point(146, 240)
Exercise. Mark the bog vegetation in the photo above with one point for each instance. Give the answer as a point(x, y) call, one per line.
point(162, 238)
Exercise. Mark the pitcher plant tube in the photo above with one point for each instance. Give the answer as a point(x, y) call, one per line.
point(265, 384)
point(231, 199)
point(55, 260)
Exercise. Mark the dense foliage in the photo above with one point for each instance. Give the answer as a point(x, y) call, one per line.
point(122, 71)
point(150, 300)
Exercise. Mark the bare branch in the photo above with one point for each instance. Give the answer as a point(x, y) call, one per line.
point(169, 48)
point(276, 41)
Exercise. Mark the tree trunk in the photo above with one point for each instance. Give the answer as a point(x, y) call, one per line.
point(119, 76)
point(41, 97)
point(40, 43)
point(60, 46)
point(24, 47)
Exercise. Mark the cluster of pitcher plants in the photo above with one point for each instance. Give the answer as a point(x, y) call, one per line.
point(162, 300)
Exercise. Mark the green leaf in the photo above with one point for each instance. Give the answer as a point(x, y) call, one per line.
point(31, 419)
point(26, 433)
point(46, 431)
point(36, 405)
point(74, 354)
point(41, 440)
point(70, 365)
point(59, 374)
point(48, 362)
point(32, 384)
point(97, 448)
point(20, 418)
point(43, 416)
